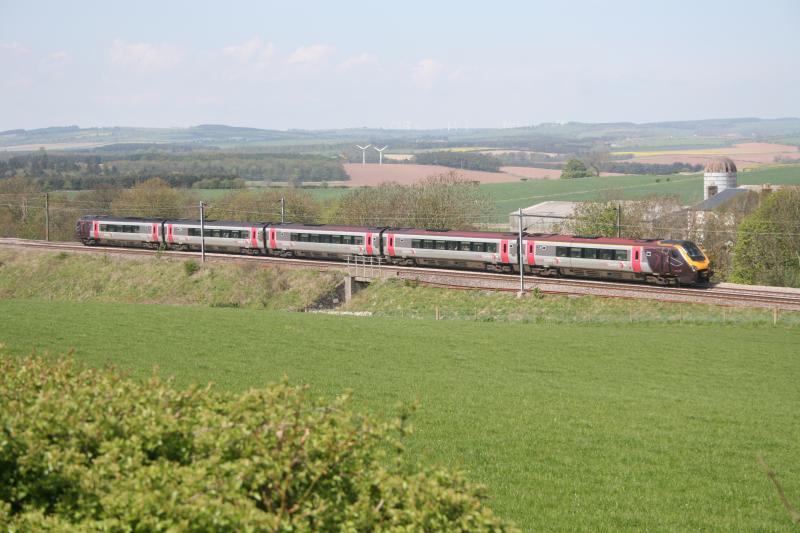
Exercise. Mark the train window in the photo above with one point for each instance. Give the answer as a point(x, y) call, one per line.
point(358, 240)
point(465, 246)
point(452, 245)
point(575, 252)
point(621, 255)
point(441, 245)
point(325, 238)
point(589, 253)
point(304, 237)
point(605, 254)
point(478, 247)
point(347, 239)
point(562, 251)
point(674, 254)
point(294, 237)
point(491, 247)
point(313, 237)
point(416, 243)
point(336, 239)
point(216, 233)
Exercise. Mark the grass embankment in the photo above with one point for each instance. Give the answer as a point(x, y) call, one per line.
point(571, 427)
point(409, 300)
point(86, 277)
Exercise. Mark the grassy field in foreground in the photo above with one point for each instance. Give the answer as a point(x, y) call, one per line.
point(639, 427)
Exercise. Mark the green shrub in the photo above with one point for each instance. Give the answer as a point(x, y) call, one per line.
point(190, 267)
point(87, 449)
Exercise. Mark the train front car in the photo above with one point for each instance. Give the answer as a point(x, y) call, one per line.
point(651, 260)
point(688, 263)
point(472, 250)
point(119, 231)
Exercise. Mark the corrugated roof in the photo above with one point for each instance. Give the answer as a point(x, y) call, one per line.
point(718, 199)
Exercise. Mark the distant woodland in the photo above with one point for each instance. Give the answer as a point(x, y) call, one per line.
point(216, 170)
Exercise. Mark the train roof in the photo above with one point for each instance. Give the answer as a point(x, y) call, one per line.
point(326, 227)
point(228, 223)
point(452, 233)
point(112, 218)
point(588, 239)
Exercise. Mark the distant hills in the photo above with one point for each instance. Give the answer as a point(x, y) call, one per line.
point(559, 137)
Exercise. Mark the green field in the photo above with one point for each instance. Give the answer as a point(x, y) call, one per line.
point(571, 427)
point(689, 188)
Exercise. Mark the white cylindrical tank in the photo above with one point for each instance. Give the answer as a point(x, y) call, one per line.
point(720, 174)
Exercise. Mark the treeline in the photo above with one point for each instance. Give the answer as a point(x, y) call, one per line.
point(650, 168)
point(215, 170)
point(442, 201)
point(462, 160)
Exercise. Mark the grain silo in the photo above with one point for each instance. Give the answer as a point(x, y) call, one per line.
point(720, 174)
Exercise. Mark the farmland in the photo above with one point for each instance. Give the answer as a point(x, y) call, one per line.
point(570, 427)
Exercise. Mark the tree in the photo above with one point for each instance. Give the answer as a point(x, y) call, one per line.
point(767, 249)
point(154, 198)
point(439, 201)
point(575, 168)
point(265, 206)
point(89, 450)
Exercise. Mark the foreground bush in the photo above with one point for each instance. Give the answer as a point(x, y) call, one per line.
point(92, 450)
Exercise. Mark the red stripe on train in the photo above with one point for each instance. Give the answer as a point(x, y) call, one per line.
point(637, 258)
point(504, 250)
point(154, 236)
point(531, 253)
point(96, 229)
point(273, 241)
point(391, 245)
point(169, 234)
point(369, 243)
point(254, 237)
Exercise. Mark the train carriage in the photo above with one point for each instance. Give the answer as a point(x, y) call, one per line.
point(119, 231)
point(453, 249)
point(221, 236)
point(322, 241)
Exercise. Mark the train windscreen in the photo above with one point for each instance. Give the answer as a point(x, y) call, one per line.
point(694, 252)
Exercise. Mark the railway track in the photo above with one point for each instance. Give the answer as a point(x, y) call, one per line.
point(716, 294)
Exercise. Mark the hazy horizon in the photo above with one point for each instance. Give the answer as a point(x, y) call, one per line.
point(314, 65)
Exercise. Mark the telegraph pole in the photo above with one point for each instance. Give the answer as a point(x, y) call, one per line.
point(46, 216)
point(202, 233)
point(519, 253)
point(619, 229)
point(283, 209)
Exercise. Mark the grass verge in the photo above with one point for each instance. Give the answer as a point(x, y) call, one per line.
point(84, 277)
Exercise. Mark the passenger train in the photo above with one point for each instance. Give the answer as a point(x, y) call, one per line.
point(666, 262)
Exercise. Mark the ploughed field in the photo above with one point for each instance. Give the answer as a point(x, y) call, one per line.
point(570, 427)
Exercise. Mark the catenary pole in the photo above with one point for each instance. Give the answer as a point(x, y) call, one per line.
point(46, 216)
point(619, 228)
point(202, 233)
point(283, 209)
point(520, 247)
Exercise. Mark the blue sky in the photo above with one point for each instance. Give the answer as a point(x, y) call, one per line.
point(402, 64)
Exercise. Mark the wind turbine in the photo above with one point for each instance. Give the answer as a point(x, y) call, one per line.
point(363, 153)
point(380, 153)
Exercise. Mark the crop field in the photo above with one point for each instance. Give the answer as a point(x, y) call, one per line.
point(746, 155)
point(570, 427)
